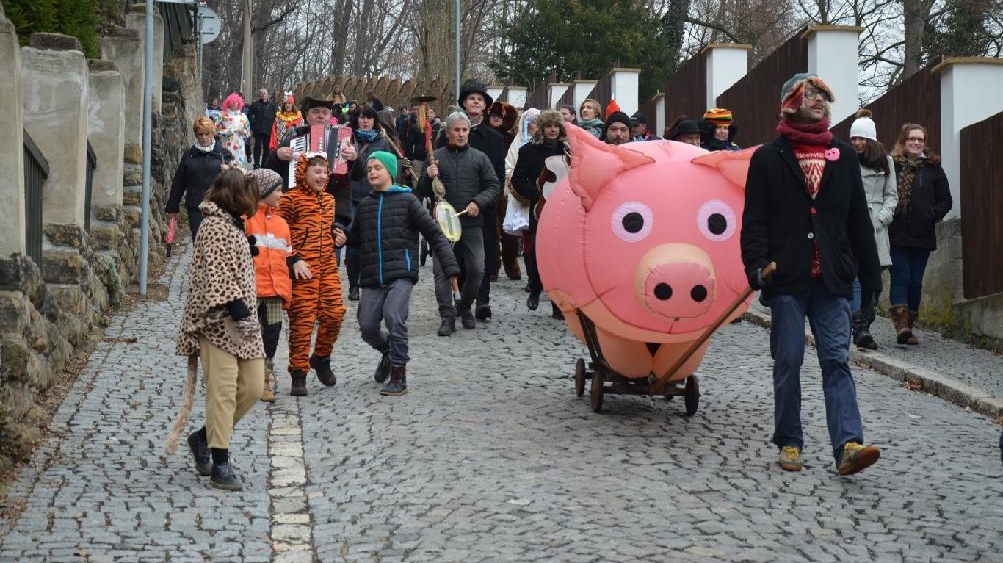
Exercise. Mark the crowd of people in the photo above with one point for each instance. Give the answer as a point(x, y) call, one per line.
point(855, 206)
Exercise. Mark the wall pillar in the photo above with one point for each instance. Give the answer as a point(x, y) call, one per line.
point(495, 91)
point(967, 95)
point(124, 48)
point(829, 55)
point(624, 87)
point(106, 131)
point(658, 101)
point(727, 63)
point(582, 90)
point(12, 200)
point(517, 96)
point(555, 91)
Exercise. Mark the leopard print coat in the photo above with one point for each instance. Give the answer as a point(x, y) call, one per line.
point(221, 271)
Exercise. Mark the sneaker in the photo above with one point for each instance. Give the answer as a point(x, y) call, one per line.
point(382, 369)
point(200, 454)
point(483, 312)
point(790, 458)
point(323, 368)
point(857, 457)
point(224, 477)
point(397, 384)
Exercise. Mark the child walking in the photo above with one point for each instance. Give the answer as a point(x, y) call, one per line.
point(309, 211)
point(386, 228)
point(271, 267)
point(218, 326)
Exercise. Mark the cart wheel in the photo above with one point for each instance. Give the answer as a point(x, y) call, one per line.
point(596, 391)
point(691, 395)
point(580, 377)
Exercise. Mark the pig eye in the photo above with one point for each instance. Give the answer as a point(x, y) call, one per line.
point(716, 220)
point(632, 221)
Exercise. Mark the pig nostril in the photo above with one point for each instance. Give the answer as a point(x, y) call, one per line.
point(663, 291)
point(698, 293)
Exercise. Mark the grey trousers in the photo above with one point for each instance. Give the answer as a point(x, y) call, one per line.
point(389, 304)
point(469, 252)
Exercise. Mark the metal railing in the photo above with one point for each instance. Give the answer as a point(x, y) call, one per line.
point(92, 163)
point(36, 171)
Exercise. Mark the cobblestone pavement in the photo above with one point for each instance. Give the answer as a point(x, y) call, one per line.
point(491, 457)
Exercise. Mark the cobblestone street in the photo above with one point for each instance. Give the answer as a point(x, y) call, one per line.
point(492, 457)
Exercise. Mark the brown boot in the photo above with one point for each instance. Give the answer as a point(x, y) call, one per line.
point(911, 317)
point(266, 392)
point(900, 319)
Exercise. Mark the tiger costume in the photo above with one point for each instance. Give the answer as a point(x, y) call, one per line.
point(310, 216)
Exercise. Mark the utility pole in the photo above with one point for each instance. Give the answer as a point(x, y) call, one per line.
point(247, 64)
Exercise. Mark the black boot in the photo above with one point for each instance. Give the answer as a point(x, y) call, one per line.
point(353, 293)
point(467, 319)
point(323, 368)
point(862, 333)
point(397, 384)
point(382, 369)
point(200, 452)
point(298, 388)
point(448, 326)
point(555, 312)
point(483, 312)
point(224, 477)
point(533, 301)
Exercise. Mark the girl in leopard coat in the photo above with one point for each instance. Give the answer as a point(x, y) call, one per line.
point(218, 324)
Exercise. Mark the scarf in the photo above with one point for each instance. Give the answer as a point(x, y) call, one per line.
point(206, 149)
point(594, 123)
point(907, 166)
point(798, 133)
point(366, 135)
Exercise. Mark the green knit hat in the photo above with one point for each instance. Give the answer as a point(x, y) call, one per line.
point(389, 162)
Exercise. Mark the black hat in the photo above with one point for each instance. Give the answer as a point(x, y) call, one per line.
point(615, 117)
point(316, 102)
point(685, 127)
point(471, 87)
point(637, 119)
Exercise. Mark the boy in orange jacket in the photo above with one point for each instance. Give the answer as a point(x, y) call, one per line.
point(272, 260)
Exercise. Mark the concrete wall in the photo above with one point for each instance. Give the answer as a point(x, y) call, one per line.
point(829, 56)
point(969, 93)
point(12, 201)
point(55, 82)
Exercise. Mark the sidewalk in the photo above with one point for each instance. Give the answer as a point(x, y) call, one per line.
point(949, 369)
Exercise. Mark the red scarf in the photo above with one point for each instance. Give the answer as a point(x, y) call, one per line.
point(799, 133)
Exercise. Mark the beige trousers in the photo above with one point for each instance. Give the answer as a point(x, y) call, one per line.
point(233, 386)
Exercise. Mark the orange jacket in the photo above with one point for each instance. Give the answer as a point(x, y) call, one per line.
point(271, 270)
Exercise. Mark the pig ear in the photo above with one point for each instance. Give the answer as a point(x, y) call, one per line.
point(733, 165)
point(594, 163)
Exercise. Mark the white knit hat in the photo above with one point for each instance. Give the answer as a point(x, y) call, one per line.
point(864, 127)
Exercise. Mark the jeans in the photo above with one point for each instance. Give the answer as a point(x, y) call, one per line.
point(908, 268)
point(469, 252)
point(261, 141)
point(389, 304)
point(829, 318)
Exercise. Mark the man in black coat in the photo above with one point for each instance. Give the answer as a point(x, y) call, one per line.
point(262, 117)
point(806, 213)
point(475, 101)
point(471, 186)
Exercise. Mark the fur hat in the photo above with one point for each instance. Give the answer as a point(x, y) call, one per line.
point(864, 126)
point(548, 117)
point(472, 87)
point(268, 181)
point(792, 92)
point(508, 113)
point(718, 116)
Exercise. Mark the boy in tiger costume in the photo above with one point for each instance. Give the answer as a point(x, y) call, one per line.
point(309, 211)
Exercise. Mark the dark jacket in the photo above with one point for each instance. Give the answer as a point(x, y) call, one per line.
point(386, 230)
point(357, 176)
point(781, 222)
point(468, 176)
point(532, 159)
point(929, 201)
point(489, 142)
point(337, 187)
point(196, 172)
point(262, 115)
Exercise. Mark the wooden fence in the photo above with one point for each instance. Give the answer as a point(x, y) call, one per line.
point(686, 91)
point(755, 99)
point(981, 201)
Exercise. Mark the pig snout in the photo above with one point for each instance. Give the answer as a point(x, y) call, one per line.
point(676, 281)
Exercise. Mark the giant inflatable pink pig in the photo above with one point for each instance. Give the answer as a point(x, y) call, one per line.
point(643, 239)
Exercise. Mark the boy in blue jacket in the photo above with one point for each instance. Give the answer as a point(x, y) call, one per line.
point(386, 228)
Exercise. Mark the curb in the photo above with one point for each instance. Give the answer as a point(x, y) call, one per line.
point(917, 377)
